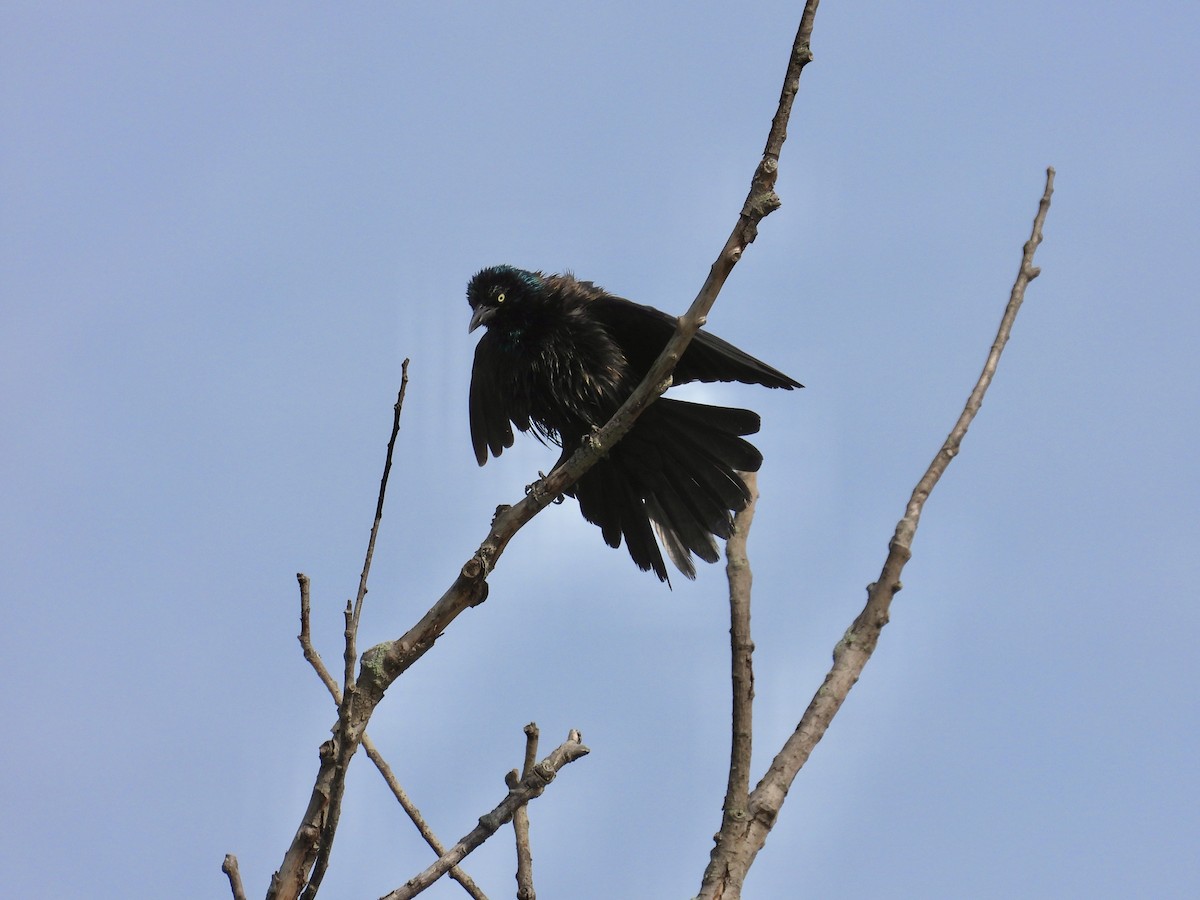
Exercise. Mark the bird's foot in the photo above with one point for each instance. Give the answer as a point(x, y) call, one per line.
point(535, 490)
point(591, 440)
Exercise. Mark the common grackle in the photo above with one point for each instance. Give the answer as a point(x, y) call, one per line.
point(559, 358)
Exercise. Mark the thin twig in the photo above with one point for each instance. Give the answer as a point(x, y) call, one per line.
point(519, 794)
point(385, 662)
point(345, 738)
point(310, 847)
point(306, 644)
point(230, 868)
point(730, 861)
point(383, 481)
point(525, 889)
point(414, 814)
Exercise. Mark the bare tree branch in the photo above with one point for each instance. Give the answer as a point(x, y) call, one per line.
point(528, 788)
point(740, 578)
point(310, 652)
point(410, 808)
point(525, 889)
point(230, 868)
point(731, 859)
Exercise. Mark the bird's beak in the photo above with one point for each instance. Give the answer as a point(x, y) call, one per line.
point(480, 317)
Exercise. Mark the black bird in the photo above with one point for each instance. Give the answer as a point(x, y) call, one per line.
point(559, 358)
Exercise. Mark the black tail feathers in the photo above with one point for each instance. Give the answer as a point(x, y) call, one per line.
point(675, 475)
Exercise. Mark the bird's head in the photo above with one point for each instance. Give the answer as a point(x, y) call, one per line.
point(496, 290)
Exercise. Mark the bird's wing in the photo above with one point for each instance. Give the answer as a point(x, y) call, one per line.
point(490, 427)
point(643, 331)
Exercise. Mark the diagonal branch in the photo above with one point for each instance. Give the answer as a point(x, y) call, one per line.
point(382, 664)
point(730, 862)
point(521, 792)
point(468, 884)
point(760, 202)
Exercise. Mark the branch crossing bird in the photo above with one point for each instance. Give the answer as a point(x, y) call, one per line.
point(561, 355)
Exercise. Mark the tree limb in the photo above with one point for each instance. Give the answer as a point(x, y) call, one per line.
point(731, 859)
point(385, 662)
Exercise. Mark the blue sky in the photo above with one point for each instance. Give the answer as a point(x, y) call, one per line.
point(222, 228)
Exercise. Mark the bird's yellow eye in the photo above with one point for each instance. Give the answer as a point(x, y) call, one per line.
point(500, 297)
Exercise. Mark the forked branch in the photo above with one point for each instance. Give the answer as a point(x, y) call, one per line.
point(741, 838)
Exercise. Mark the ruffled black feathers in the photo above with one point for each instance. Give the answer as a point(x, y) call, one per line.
point(561, 355)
